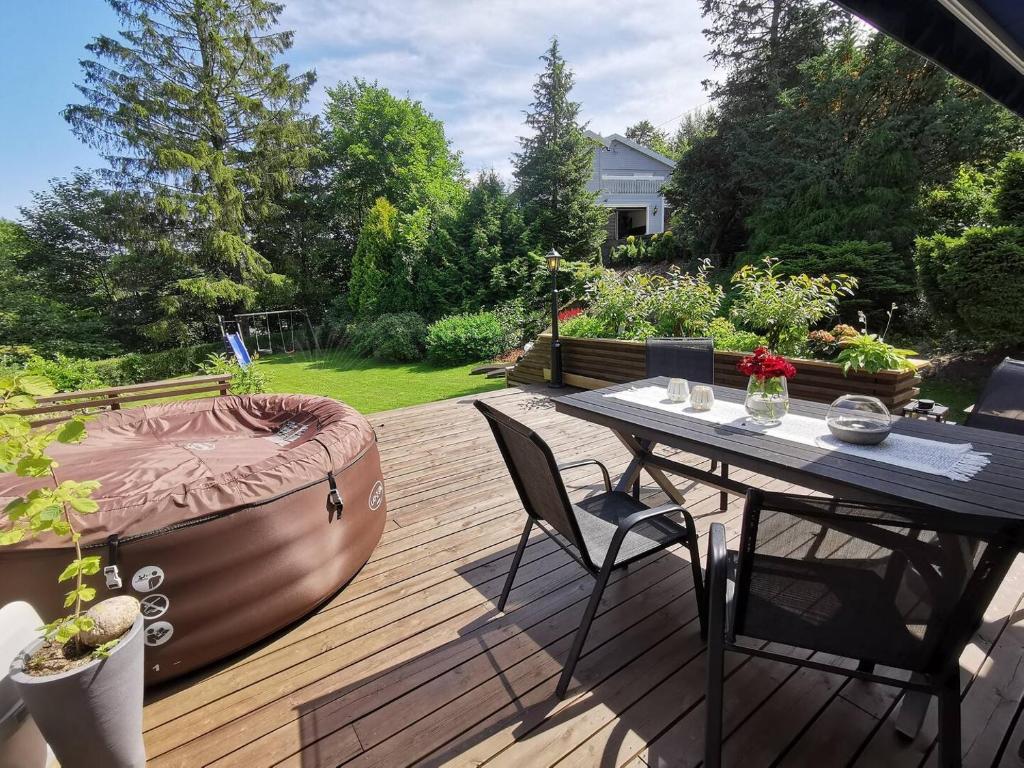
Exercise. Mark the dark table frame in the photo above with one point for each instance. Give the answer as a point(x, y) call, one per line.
point(991, 501)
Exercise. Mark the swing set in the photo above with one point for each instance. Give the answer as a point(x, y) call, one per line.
point(256, 326)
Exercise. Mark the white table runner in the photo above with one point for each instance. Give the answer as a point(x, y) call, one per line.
point(958, 461)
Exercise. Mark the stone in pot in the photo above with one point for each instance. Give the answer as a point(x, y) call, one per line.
point(111, 619)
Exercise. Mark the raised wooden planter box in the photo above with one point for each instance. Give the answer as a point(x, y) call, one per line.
point(593, 363)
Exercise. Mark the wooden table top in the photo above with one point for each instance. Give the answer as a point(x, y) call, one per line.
point(995, 494)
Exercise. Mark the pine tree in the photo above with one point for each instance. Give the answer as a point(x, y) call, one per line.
point(554, 165)
point(190, 104)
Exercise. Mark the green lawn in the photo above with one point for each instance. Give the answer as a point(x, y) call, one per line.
point(956, 393)
point(369, 385)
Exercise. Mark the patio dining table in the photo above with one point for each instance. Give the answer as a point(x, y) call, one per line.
point(990, 500)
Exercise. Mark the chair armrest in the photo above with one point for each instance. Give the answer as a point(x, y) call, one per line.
point(716, 580)
point(633, 520)
point(562, 467)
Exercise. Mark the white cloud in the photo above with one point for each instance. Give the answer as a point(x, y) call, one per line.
point(472, 62)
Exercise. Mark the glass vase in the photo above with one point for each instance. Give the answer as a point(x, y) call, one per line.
point(767, 400)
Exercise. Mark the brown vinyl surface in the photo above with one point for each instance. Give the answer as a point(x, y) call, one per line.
point(220, 509)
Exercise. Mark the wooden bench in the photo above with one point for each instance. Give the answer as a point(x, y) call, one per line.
point(63, 404)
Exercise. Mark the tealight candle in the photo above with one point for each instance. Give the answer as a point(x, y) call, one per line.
point(678, 390)
point(702, 397)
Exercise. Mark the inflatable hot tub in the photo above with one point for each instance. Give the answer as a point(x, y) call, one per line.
point(228, 518)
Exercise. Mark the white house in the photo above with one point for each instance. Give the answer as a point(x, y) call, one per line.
point(628, 178)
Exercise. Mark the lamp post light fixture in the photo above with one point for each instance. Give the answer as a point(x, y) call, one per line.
point(554, 258)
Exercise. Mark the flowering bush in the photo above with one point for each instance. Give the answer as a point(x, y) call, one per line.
point(822, 344)
point(569, 314)
point(783, 308)
point(843, 330)
point(762, 364)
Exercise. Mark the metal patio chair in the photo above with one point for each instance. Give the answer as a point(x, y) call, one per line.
point(1001, 405)
point(690, 358)
point(873, 583)
point(685, 358)
point(603, 533)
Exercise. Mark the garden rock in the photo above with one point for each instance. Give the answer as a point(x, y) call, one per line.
point(111, 619)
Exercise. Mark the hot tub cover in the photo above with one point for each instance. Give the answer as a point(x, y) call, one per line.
point(165, 465)
point(228, 517)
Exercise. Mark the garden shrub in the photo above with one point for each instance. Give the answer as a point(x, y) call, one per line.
point(638, 306)
point(977, 280)
point(585, 326)
point(783, 308)
point(397, 337)
point(684, 303)
point(1008, 198)
point(883, 278)
point(519, 322)
point(465, 338)
point(728, 337)
point(72, 373)
point(249, 380)
point(66, 373)
point(649, 248)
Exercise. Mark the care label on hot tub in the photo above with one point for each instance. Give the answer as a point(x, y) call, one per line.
point(289, 432)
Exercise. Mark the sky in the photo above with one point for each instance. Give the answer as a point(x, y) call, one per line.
point(472, 64)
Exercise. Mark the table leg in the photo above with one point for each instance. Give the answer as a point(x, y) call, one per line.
point(631, 476)
point(723, 497)
point(912, 710)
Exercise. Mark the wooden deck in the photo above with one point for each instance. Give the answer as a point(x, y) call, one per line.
point(412, 664)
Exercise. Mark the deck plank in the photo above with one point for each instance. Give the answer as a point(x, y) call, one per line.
point(411, 664)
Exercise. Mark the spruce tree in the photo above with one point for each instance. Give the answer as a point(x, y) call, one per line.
point(189, 104)
point(554, 165)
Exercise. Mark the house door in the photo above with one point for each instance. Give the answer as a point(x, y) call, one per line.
point(631, 221)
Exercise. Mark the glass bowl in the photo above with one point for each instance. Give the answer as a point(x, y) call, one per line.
point(859, 419)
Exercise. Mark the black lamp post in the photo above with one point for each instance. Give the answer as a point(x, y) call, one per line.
point(554, 259)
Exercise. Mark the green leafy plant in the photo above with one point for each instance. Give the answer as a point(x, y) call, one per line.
point(249, 380)
point(784, 308)
point(465, 338)
point(870, 353)
point(638, 306)
point(46, 509)
point(685, 303)
point(727, 336)
point(583, 327)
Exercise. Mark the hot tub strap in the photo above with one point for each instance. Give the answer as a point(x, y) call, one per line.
point(335, 504)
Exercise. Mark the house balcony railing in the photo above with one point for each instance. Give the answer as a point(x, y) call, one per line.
point(632, 186)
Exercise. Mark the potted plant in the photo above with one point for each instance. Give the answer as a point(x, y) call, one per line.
point(82, 680)
point(767, 398)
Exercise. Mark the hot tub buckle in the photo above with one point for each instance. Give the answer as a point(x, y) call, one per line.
point(335, 505)
point(112, 576)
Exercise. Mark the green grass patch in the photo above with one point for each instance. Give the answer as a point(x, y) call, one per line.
point(955, 393)
point(369, 385)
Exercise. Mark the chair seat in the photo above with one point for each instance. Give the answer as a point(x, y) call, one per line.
point(598, 517)
point(827, 607)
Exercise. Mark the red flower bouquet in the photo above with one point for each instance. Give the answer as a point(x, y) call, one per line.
point(767, 394)
point(762, 364)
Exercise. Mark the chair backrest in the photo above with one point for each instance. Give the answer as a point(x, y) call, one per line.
point(1001, 405)
point(686, 358)
point(864, 581)
point(535, 474)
